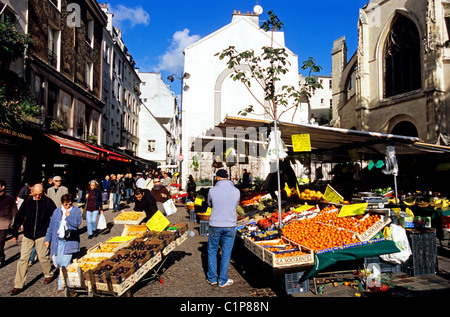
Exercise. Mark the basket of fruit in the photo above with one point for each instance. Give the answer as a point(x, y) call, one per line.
point(203, 216)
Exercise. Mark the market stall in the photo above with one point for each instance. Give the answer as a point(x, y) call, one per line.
point(309, 230)
point(114, 266)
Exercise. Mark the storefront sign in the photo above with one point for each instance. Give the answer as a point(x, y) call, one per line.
point(9, 132)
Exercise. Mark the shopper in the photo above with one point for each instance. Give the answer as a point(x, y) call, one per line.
point(94, 206)
point(105, 185)
point(144, 201)
point(129, 187)
point(62, 236)
point(166, 181)
point(57, 191)
point(245, 179)
point(118, 191)
point(160, 193)
point(140, 182)
point(8, 210)
point(223, 199)
point(34, 215)
point(191, 188)
point(111, 188)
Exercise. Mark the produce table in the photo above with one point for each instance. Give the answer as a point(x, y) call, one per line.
point(435, 215)
point(324, 260)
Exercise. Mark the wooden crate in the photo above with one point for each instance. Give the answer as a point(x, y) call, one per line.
point(130, 222)
point(306, 259)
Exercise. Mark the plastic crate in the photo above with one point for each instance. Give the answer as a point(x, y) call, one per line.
point(385, 267)
point(423, 260)
point(192, 216)
point(292, 285)
point(204, 227)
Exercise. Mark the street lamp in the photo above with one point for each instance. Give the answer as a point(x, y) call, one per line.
point(171, 78)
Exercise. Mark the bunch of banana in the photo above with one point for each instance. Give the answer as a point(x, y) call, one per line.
point(440, 203)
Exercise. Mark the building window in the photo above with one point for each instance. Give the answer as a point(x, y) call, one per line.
point(90, 32)
point(151, 145)
point(53, 47)
point(402, 58)
point(88, 74)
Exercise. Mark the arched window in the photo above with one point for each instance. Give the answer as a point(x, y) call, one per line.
point(405, 128)
point(402, 58)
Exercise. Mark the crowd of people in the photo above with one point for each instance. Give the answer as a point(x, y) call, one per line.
point(49, 215)
point(49, 219)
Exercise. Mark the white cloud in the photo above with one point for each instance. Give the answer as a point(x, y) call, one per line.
point(133, 16)
point(173, 59)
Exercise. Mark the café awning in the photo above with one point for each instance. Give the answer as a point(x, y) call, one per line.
point(327, 143)
point(72, 147)
point(110, 154)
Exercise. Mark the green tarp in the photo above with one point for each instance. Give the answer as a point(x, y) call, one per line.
point(324, 260)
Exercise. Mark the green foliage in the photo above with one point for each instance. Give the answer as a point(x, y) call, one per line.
point(277, 100)
point(12, 44)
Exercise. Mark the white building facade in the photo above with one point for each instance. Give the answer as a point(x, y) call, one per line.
point(213, 95)
point(159, 124)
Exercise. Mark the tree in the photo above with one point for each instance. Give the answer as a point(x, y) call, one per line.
point(277, 100)
point(16, 100)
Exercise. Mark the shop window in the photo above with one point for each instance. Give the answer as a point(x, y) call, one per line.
point(402, 58)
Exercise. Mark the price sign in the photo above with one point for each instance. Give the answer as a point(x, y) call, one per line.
point(198, 200)
point(332, 195)
point(158, 222)
point(301, 143)
point(353, 210)
point(208, 211)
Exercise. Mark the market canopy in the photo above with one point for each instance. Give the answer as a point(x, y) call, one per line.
point(110, 154)
point(72, 147)
point(327, 143)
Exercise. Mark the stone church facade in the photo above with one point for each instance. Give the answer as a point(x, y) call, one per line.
point(398, 79)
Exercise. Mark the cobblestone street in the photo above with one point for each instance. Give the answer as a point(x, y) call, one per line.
point(183, 274)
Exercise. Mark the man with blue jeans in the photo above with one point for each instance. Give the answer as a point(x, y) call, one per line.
point(223, 199)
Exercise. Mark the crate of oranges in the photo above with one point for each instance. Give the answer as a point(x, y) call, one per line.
point(281, 253)
point(130, 218)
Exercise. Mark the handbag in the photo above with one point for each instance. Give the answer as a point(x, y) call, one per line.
point(101, 222)
point(169, 207)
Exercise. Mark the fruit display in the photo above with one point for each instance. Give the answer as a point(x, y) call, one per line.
point(130, 216)
point(327, 230)
point(310, 194)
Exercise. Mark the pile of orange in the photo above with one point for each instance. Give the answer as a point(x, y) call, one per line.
point(326, 230)
point(309, 194)
point(289, 254)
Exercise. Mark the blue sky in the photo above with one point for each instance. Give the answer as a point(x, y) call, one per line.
point(156, 32)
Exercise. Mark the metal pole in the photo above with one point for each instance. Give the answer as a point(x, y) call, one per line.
point(278, 174)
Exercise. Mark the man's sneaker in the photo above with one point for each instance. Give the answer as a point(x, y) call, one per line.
point(228, 283)
point(211, 283)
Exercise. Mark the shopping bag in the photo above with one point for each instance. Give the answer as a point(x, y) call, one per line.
point(101, 222)
point(169, 207)
point(398, 235)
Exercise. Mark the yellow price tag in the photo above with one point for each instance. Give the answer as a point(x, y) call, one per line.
point(208, 211)
point(301, 143)
point(120, 239)
point(332, 195)
point(157, 222)
point(303, 208)
point(287, 190)
point(198, 200)
point(353, 210)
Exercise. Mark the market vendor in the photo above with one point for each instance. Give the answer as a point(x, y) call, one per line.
point(144, 201)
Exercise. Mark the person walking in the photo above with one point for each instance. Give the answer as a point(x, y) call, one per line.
point(57, 191)
point(140, 182)
point(94, 206)
point(8, 210)
point(63, 238)
point(111, 188)
point(129, 187)
point(118, 190)
point(105, 185)
point(34, 215)
point(223, 199)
